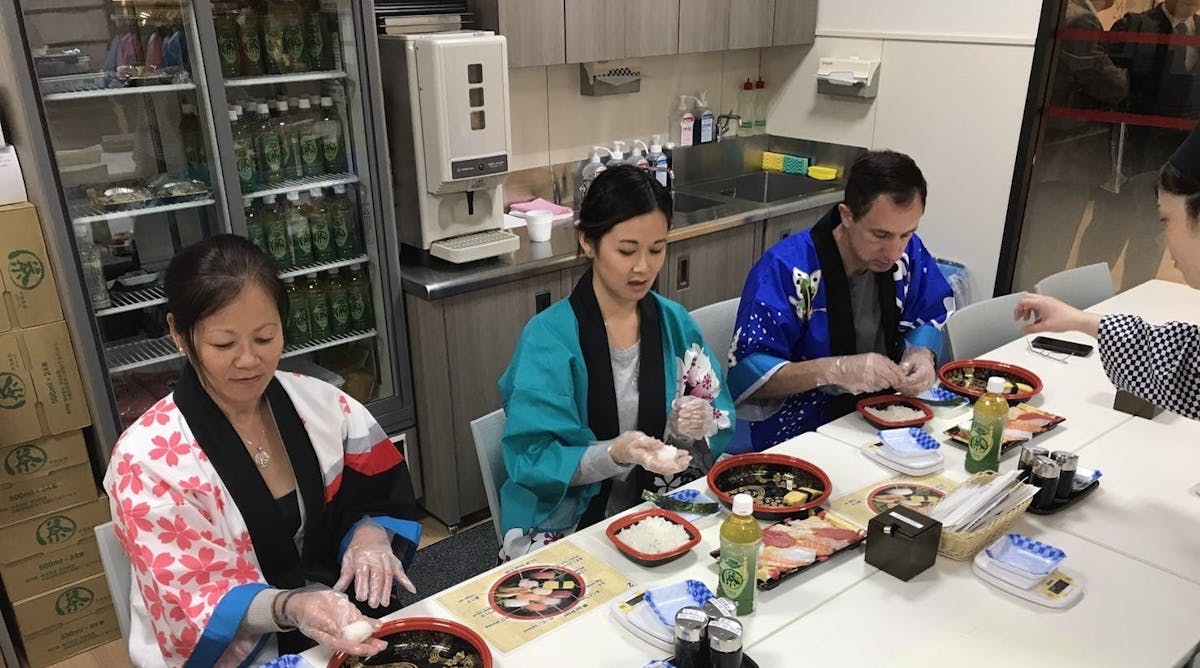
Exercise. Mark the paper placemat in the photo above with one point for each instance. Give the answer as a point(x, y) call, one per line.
point(920, 494)
point(535, 595)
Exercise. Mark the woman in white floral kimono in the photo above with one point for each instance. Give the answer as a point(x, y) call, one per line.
point(598, 381)
point(244, 494)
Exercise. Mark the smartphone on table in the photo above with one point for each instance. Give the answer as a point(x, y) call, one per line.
point(1060, 346)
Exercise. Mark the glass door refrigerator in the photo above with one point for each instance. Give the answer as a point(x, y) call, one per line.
point(168, 121)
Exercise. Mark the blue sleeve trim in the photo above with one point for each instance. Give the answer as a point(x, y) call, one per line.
point(406, 529)
point(223, 625)
point(926, 336)
point(750, 373)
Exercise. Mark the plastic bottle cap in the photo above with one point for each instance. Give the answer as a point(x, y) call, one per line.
point(283, 107)
point(339, 189)
point(332, 272)
point(187, 108)
point(233, 116)
point(759, 84)
point(269, 199)
point(289, 279)
point(247, 202)
point(263, 108)
point(995, 385)
point(304, 104)
point(326, 101)
point(656, 143)
point(618, 150)
point(743, 504)
point(316, 192)
point(293, 196)
point(82, 231)
point(749, 85)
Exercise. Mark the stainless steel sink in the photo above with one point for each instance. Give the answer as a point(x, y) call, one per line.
point(685, 203)
point(765, 187)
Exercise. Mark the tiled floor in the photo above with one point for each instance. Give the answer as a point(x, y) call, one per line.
point(114, 655)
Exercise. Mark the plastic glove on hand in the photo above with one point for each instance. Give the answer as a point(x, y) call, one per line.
point(865, 372)
point(691, 417)
point(322, 614)
point(919, 374)
point(372, 565)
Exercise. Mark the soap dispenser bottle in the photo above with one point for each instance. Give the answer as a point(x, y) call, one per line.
point(658, 161)
point(617, 153)
point(635, 155)
point(590, 170)
point(704, 117)
point(760, 107)
point(746, 109)
point(683, 123)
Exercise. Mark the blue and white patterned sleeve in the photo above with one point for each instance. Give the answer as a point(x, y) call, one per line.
point(924, 295)
point(777, 302)
point(1159, 363)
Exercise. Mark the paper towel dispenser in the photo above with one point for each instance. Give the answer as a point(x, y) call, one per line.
point(852, 77)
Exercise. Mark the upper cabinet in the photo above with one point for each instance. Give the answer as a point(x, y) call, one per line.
point(703, 25)
point(651, 28)
point(595, 30)
point(553, 32)
point(795, 22)
point(534, 29)
point(751, 23)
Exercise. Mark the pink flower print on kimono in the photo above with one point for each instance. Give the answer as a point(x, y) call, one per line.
point(806, 286)
point(697, 378)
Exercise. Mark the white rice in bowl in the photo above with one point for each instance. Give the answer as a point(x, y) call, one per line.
point(654, 535)
point(896, 413)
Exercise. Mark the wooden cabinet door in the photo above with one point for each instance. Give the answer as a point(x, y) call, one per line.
point(482, 329)
point(751, 23)
point(778, 228)
point(651, 28)
point(711, 268)
point(595, 30)
point(795, 22)
point(534, 29)
point(703, 25)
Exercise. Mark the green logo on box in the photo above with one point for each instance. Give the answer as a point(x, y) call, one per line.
point(24, 460)
point(73, 600)
point(55, 530)
point(26, 269)
point(12, 391)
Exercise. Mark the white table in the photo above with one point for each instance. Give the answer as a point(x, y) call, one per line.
point(1130, 615)
point(1145, 507)
point(777, 608)
point(1157, 301)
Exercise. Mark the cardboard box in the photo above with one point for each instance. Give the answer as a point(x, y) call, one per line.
point(29, 286)
point(39, 495)
point(41, 456)
point(66, 621)
point(52, 550)
point(12, 184)
point(40, 388)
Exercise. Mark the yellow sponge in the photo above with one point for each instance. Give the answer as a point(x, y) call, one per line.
point(772, 162)
point(822, 173)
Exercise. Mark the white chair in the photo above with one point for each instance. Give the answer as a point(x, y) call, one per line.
point(117, 571)
point(716, 323)
point(977, 328)
point(487, 432)
point(1081, 287)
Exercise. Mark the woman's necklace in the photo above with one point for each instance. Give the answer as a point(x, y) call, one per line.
point(260, 457)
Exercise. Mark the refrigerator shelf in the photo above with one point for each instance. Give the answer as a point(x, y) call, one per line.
point(132, 300)
point(92, 90)
point(305, 183)
point(129, 356)
point(294, 272)
point(89, 213)
point(272, 79)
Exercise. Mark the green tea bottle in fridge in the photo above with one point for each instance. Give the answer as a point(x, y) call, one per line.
point(192, 138)
point(344, 220)
point(293, 34)
point(339, 303)
point(255, 231)
point(987, 428)
point(317, 38)
point(275, 225)
point(250, 28)
point(296, 330)
point(320, 229)
point(320, 324)
point(333, 138)
point(286, 122)
point(225, 24)
point(358, 291)
point(298, 232)
point(271, 149)
point(244, 153)
point(308, 136)
point(274, 22)
point(740, 539)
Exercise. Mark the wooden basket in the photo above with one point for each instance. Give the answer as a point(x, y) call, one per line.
point(964, 546)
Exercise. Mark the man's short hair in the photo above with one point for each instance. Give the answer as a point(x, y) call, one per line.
point(889, 173)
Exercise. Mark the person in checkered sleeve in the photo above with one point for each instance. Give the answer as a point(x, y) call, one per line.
point(1159, 363)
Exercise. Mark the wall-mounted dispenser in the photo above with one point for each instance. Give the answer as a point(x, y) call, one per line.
point(610, 77)
point(850, 77)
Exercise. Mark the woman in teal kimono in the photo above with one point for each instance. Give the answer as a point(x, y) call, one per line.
point(855, 304)
point(612, 391)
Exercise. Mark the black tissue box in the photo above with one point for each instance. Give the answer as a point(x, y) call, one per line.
point(1135, 405)
point(902, 542)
